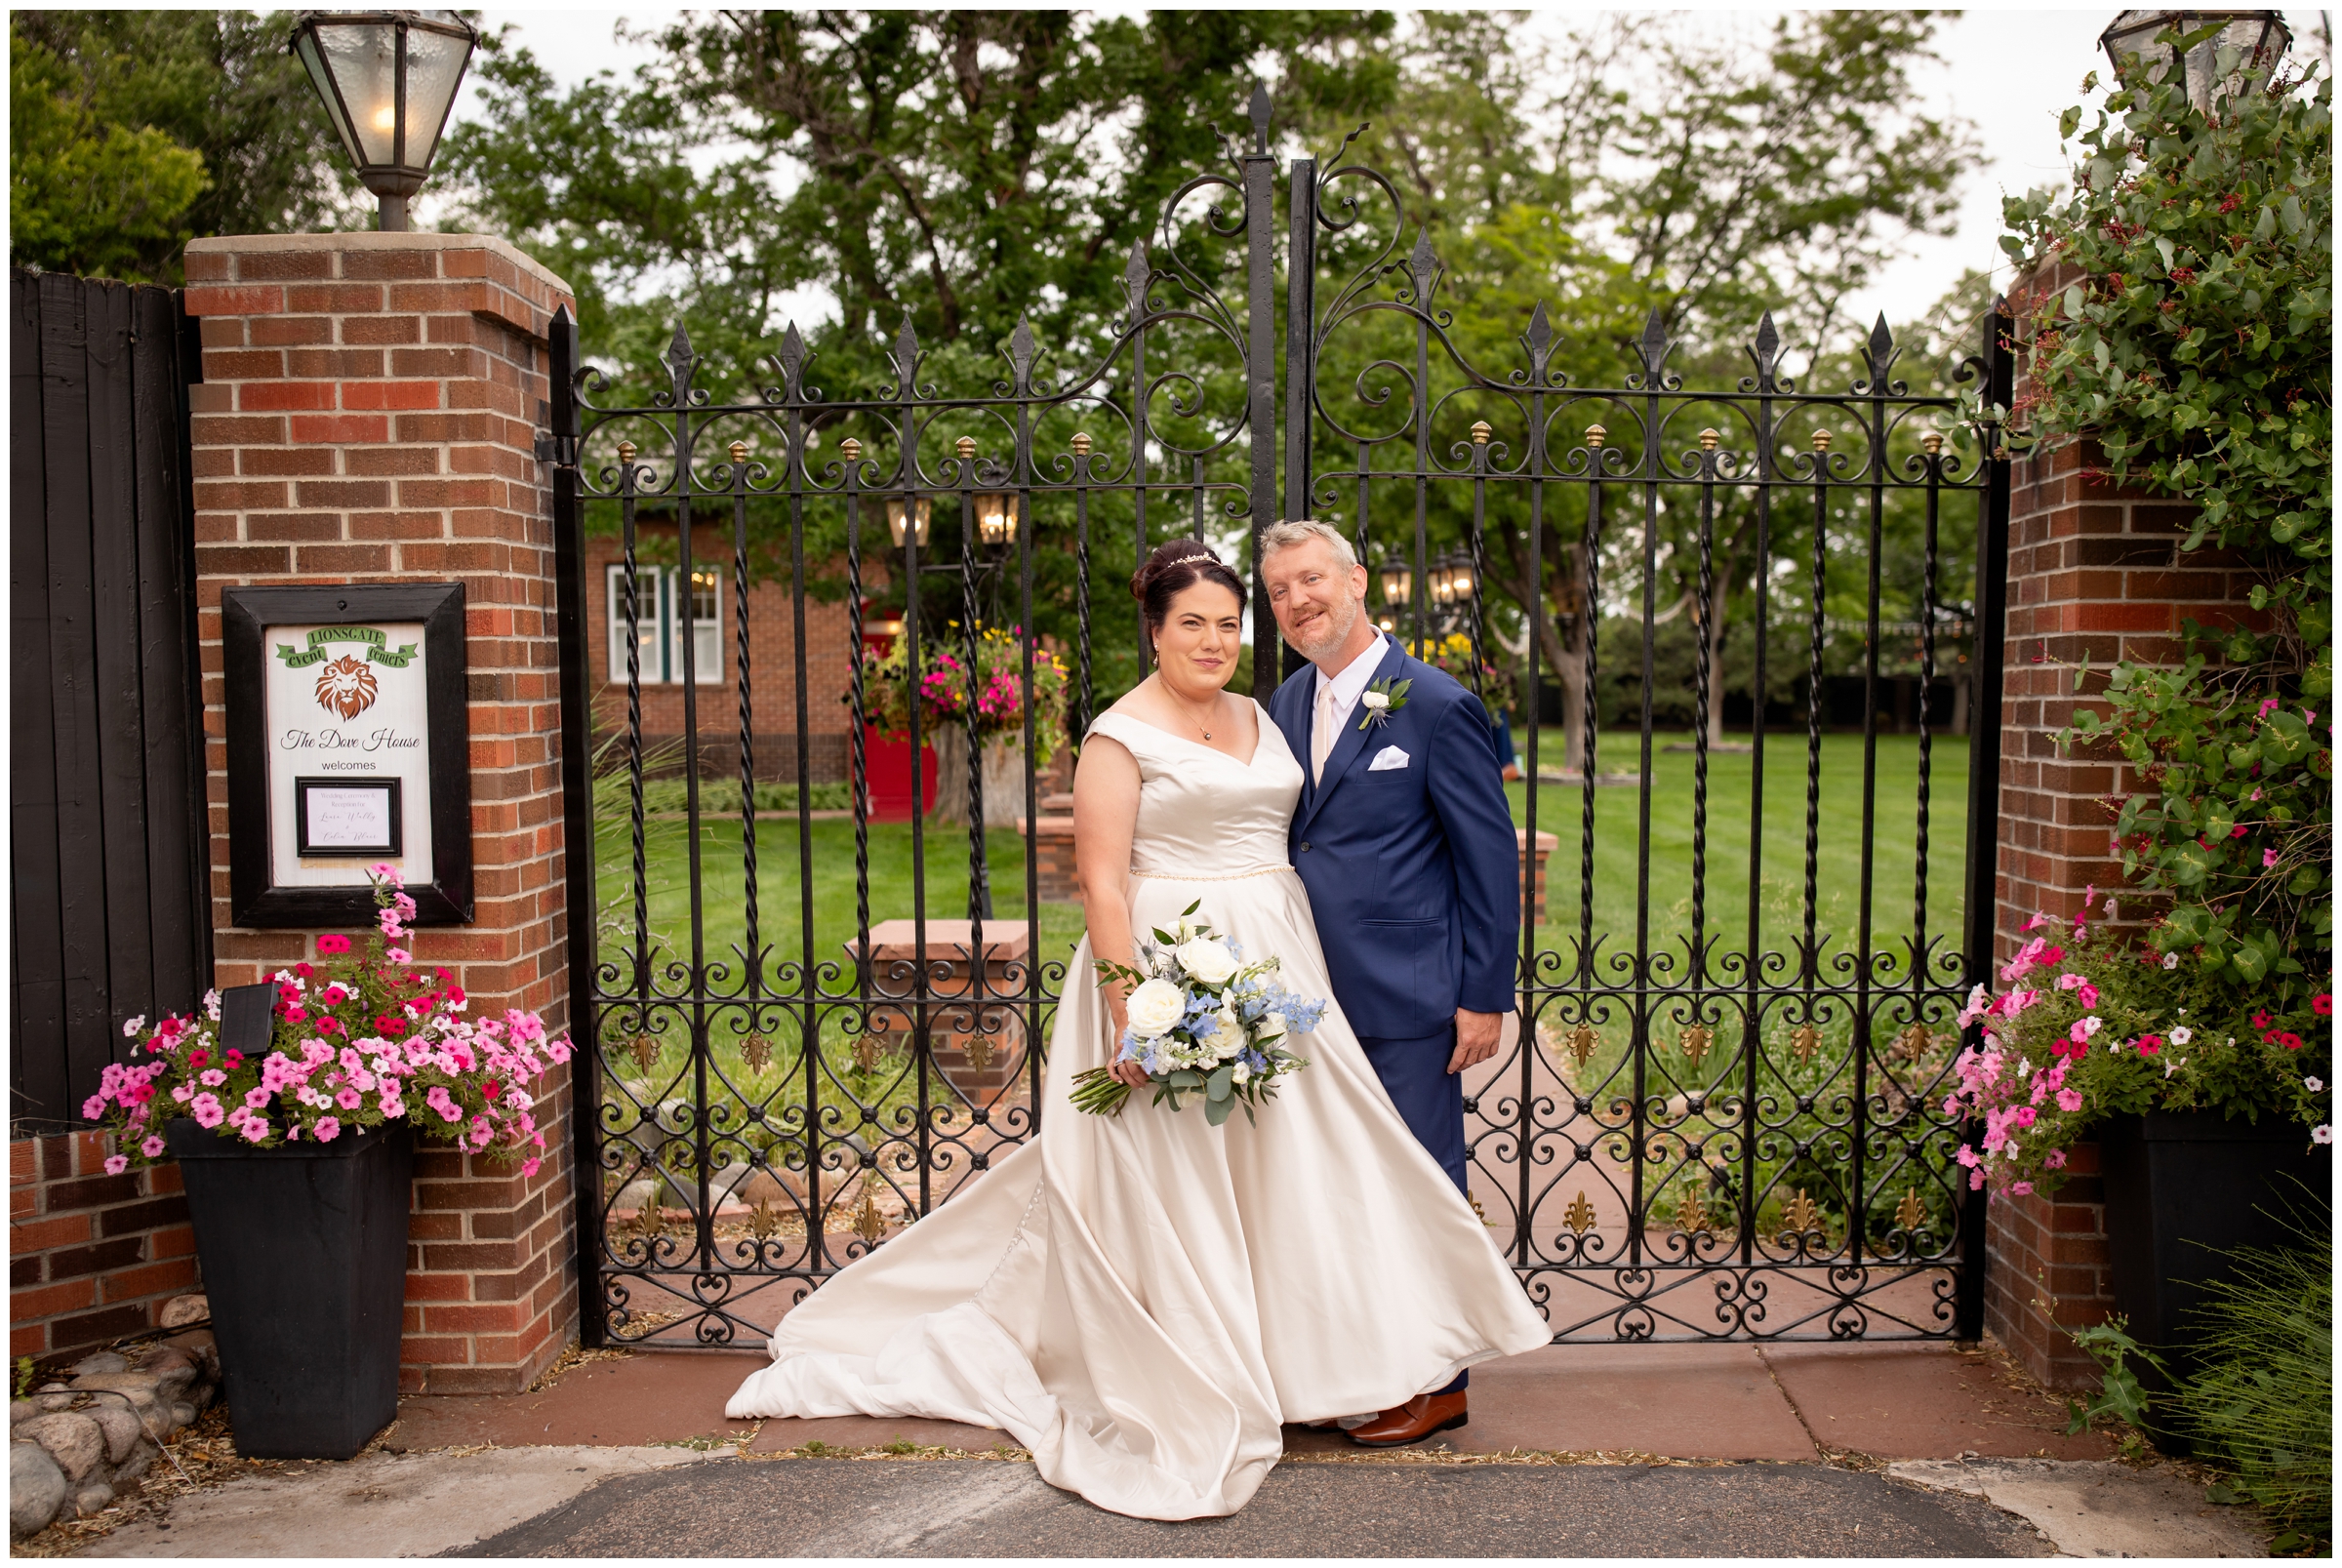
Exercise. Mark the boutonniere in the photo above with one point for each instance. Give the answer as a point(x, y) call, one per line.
point(1382, 699)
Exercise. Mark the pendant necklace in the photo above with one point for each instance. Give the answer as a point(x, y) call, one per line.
point(1192, 719)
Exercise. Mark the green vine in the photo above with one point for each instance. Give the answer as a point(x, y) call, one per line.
point(2195, 349)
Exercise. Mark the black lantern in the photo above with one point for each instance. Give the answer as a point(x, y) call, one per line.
point(1397, 580)
point(2260, 39)
point(389, 79)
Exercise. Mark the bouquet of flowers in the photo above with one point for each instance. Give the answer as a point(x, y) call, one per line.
point(358, 1040)
point(2088, 1026)
point(1202, 1022)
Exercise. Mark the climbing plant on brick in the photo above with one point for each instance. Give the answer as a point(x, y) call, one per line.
point(2193, 343)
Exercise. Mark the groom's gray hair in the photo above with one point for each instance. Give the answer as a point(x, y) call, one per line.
point(1300, 531)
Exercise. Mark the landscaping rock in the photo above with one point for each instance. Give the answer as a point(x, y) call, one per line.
point(92, 1501)
point(36, 1489)
point(183, 1413)
point(75, 1441)
point(202, 1348)
point(180, 1311)
point(140, 1461)
point(123, 1428)
point(22, 1410)
point(101, 1361)
point(134, 1384)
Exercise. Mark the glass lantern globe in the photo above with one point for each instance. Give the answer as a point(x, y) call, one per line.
point(389, 79)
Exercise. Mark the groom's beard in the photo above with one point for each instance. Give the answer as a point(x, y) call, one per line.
point(1330, 633)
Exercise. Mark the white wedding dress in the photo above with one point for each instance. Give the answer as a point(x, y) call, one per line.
point(1142, 1300)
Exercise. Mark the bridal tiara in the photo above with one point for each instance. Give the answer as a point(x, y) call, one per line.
point(1190, 560)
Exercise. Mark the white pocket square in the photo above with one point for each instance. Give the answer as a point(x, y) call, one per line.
point(1390, 756)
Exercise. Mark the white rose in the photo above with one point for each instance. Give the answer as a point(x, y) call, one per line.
point(1375, 699)
point(1270, 1028)
point(1155, 1006)
point(1244, 1073)
point(1229, 1039)
point(1207, 960)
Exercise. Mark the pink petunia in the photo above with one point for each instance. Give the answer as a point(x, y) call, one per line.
point(2020, 1190)
point(2069, 1100)
point(327, 1129)
point(152, 1149)
point(207, 1111)
point(2055, 1159)
point(2267, 858)
point(117, 1164)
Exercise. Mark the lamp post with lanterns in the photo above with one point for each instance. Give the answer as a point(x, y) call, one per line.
point(389, 79)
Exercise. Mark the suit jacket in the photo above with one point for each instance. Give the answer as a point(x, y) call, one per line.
point(1414, 871)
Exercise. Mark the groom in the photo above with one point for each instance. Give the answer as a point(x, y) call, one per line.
point(1405, 842)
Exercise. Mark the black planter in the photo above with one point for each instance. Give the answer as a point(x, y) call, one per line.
point(303, 1250)
point(2183, 1190)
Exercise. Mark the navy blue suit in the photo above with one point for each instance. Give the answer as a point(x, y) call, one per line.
point(1414, 877)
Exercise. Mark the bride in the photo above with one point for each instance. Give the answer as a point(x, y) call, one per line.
point(1142, 1301)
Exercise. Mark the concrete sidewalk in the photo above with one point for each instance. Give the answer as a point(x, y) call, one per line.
point(1878, 1450)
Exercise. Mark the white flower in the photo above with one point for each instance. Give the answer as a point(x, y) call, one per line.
point(210, 1005)
point(1244, 1073)
point(1227, 1034)
point(1155, 1006)
point(2312, 1085)
point(1270, 1028)
point(132, 1026)
point(2170, 960)
point(2181, 1034)
point(2321, 1135)
point(1207, 960)
point(1375, 699)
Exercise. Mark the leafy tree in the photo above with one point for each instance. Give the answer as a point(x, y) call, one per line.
point(132, 132)
point(1727, 182)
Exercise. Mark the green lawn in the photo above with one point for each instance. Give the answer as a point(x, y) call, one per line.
point(1894, 841)
point(876, 1100)
point(1616, 857)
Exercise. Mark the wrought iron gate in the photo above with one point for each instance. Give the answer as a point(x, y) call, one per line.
point(1721, 1118)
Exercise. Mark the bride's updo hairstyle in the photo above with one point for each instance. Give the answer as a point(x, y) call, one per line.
point(1174, 569)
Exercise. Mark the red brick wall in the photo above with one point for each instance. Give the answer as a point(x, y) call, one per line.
point(2095, 576)
point(2045, 1273)
point(91, 1257)
point(368, 414)
point(772, 665)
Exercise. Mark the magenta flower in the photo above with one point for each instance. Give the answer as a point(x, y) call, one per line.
point(207, 1111)
point(327, 1129)
point(152, 1149)
point(2267, 858)
point(117, 1164)
point(2068, 1099)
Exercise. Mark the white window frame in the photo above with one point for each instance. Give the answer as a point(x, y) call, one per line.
point(660, 624)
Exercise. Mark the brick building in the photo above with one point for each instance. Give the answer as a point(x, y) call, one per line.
point(713, 626)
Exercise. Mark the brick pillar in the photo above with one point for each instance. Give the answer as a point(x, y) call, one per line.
point(2095, 575)
point(367, 415)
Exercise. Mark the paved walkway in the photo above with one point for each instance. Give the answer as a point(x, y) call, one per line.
point(1866, 1451)
point(1681, 1401)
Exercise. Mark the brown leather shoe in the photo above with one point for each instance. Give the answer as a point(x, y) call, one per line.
point(1411, 1423)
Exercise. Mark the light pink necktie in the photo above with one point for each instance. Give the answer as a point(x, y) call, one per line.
point(1323, 731)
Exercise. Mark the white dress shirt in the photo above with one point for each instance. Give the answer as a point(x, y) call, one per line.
point(1336, 698)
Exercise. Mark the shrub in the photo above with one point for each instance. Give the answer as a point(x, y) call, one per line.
point(2262, 1406)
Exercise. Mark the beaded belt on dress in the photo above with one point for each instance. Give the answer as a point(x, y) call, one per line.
point(1230, 876)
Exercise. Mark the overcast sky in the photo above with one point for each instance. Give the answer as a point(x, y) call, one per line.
point(2007, 70)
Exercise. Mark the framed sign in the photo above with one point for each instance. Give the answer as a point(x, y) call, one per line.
point(346, 747)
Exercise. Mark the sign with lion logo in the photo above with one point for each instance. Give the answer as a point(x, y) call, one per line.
point(348, 741)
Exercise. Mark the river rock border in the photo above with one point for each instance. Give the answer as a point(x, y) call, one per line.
point(79, 1440)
